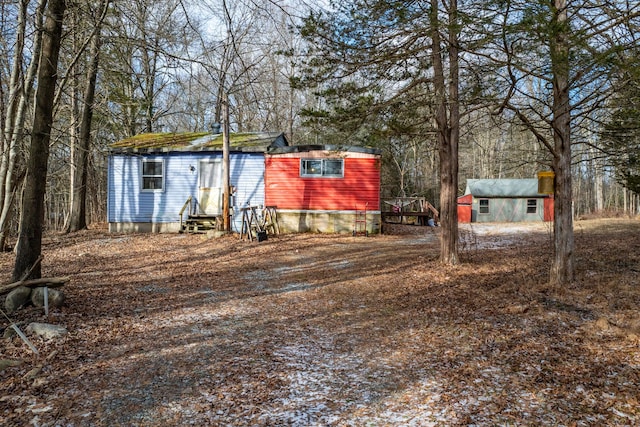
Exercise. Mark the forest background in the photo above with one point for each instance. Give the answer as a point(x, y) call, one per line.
point(356, 73)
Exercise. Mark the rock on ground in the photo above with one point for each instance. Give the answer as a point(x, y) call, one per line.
point(46, 330)
point(9, 363)
point(55, 298)
point(17, 298)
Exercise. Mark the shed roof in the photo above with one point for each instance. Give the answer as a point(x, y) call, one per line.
point(503, 188)
point(257, 142)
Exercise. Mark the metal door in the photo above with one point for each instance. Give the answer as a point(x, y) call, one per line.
point(210, 188)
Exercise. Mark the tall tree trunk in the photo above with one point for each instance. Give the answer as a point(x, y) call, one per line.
point(20, 91)
point(77, 217)
point(9, 144)
point(74, 131)
point(29, 245)
point(562, 268)
point(447, 124)
point(450, 208)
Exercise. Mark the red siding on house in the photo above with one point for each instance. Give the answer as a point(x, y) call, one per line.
point(286, 189)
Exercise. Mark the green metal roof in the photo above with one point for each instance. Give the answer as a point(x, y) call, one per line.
point(495, 188)
point(198, 141)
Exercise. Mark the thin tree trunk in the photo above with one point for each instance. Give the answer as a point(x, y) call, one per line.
point(29, 246)
point(15, 91)
point(598, 183)
point(19, 97)
point(77, 219)
point(74, 132)
point(226, 173)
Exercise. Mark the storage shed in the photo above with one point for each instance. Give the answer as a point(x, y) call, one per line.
point(505, 200)
point(152, 176)
point(322, 188)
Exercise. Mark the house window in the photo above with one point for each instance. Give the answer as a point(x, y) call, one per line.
point(532, 206)
point(333, 168)
point(484, 206)
point(152, 175)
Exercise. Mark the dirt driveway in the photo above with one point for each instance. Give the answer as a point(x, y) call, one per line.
point(312, 330)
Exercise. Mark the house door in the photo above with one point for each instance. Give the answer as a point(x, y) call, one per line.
point(210, 187)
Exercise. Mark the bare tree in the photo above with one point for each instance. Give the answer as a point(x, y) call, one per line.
point(249, 55)
point(145, 41)
point(29, 246)
point(20, 90)
point(80, 153)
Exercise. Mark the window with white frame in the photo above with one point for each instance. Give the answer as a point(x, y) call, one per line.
point(152, 175)
point(330, 168)
point(532, 206)
point(483, 206)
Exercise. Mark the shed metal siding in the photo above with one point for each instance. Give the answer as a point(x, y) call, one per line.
point(507, 200)
point(508, 210)
point(286, 189)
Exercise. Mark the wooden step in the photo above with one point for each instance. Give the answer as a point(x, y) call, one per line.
point(199, 224)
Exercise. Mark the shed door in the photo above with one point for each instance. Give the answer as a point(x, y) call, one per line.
point(210, 187)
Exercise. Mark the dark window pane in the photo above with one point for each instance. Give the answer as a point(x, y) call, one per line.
point(333, 167)
point(152, 168)
point(312, 167)
point(149, 183)
point(484, 206)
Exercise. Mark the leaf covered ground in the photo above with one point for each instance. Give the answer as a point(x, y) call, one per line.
point(327, 330)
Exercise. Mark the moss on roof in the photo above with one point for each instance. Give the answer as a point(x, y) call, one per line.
point(194, 141)
point(158, 140)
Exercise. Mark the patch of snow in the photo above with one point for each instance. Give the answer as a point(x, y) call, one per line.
point(326, 388)
point(499, 235)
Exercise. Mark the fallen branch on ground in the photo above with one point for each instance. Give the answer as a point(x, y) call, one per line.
point(50, 282)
